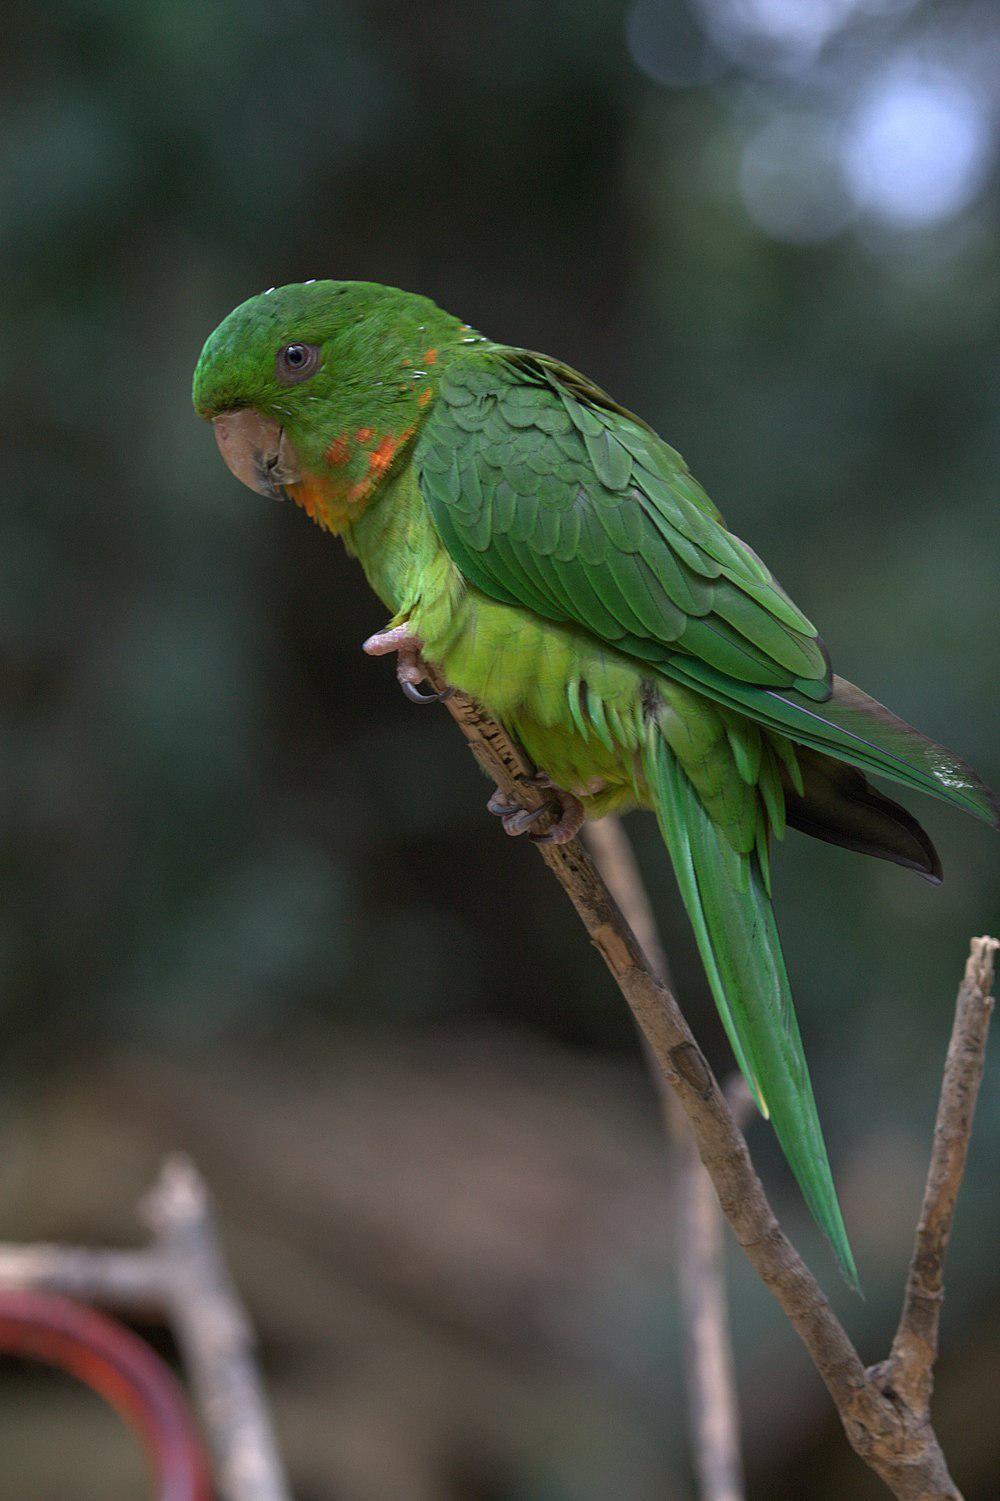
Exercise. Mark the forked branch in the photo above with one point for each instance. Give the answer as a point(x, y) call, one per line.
point(183, 1276)
point(894, 1438)
point(909, 1370)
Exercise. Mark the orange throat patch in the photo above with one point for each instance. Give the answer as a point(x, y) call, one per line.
point(357, 463)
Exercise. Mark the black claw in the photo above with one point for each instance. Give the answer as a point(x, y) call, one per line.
point(552, 838)
point(415, 695)
point(516, 823)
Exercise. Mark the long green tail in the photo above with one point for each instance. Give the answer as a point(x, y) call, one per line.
point(730, 910)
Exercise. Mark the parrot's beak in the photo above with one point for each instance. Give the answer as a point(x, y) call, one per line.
point(257, 451)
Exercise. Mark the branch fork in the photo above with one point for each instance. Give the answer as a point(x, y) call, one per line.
point(183, 1276)
point(885, 1410)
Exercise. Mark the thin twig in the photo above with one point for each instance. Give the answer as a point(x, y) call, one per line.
point(909, 1369)
point(895, 1441)
point(183, 1277)
point(131, 1282)
point(713, 1411)
point(215, 1337)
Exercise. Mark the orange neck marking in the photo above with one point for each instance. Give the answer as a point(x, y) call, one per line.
point(335, 500)
point(338, 450)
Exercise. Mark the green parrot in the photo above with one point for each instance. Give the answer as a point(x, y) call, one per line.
point(555, 559)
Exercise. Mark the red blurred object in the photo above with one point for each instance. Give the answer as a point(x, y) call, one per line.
point(122, 1369)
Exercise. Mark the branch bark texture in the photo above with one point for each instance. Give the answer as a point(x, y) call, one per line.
point(909, 1370)
point(896, 1440)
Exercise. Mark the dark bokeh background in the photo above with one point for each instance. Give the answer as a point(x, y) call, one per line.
point(252, 903)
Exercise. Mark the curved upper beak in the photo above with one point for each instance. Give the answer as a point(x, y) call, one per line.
point(257, 451)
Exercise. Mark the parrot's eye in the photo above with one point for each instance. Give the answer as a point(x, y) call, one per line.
point(296, 362)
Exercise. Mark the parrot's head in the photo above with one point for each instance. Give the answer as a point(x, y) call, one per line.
point(315, 390)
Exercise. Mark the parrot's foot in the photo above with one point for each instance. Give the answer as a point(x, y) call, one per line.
point(517, 820)
point(410, 667)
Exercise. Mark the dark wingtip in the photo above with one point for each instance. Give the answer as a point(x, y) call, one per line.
point(932, 871)
point(839, 805)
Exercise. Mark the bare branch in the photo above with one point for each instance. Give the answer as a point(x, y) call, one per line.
point(897, 1443)
point(183, 1277)
point(130, 1281)
point(215, 1337)
point(910, 1367)
point(713, 1412)
point(883, 1410)
point(612, 850)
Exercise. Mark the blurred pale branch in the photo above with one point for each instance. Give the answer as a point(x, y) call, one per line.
point(713, 1412)
point(182, 1276)
point(896, 1440)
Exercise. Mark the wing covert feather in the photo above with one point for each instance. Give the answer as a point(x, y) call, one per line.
point(549, 495)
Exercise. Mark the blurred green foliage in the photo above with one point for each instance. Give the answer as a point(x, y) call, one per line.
point(220, 820)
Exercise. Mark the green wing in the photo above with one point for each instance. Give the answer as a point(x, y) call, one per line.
point(549, 495)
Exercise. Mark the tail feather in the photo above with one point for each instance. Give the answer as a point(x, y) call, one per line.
point(730, 910)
